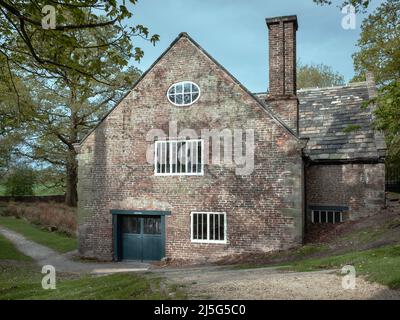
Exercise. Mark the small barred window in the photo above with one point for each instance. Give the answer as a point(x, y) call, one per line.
point(326, 216)
point(208, 227)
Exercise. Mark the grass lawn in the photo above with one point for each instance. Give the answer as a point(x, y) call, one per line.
point(23, 281)
point(277, 258)
point(9, 252)
point(21, 278)
point(53, 240)
point(381, 265)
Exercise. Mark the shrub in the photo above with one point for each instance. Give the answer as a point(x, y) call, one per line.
point(52, 216)
point(20, 182)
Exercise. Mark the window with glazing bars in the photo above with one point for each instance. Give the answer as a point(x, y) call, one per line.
point(208, 227)
point(326, 216)
point(179, 157)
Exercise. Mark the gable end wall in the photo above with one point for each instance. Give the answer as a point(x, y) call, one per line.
point(264, 210)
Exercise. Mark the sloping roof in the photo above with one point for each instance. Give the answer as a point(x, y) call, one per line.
point(325, 113)
point(261, 103)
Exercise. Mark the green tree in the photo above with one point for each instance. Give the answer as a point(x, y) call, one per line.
point(379, 44)
point(388, 118)
point(20, 181)
point(29, 47)
point(55, 83)
point(379, 52)
point(23, 34)
point(359, 5)
point(317, 75)
point(64, 105)
point(10, 108)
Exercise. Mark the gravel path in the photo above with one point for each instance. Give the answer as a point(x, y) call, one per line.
point(63, 262)
point(270, 283)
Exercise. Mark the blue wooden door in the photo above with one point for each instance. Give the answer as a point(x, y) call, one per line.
point(142, 237)
point(152, 241)
point(131, 238)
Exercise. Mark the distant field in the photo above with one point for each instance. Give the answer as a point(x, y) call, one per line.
point(38, 190)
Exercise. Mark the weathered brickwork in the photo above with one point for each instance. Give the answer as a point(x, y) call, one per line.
point(282, 55)
point(282, 69)
point(264, 209)
point(360, 187)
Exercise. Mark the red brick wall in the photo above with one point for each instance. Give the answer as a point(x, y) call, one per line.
point(282, 69)
point(282, 56)
point(264, 209)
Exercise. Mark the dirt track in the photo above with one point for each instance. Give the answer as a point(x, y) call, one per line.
point(269, 283)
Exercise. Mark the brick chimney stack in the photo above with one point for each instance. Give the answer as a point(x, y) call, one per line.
point(282, 68)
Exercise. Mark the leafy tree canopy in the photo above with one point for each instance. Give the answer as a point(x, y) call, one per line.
point(379, 44)
point(317, 75)
point(359, 5)
point(64, 45)
point(379, 52)
point(44, 111)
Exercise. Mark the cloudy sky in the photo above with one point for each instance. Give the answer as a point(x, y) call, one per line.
point(235, 34)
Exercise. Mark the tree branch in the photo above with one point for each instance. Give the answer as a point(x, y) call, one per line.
point(20, 16)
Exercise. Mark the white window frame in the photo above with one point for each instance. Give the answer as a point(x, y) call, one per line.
point(183, 98)
point(208, 228)
point(170, 152)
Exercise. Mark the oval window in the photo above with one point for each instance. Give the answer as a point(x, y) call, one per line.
point(183, 93)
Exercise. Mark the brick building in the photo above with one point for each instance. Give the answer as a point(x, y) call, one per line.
point(150, 184)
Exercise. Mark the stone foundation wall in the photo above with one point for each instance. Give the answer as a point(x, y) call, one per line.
point(360, 187)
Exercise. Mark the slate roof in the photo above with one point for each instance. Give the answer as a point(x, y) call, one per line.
point(324, 113)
